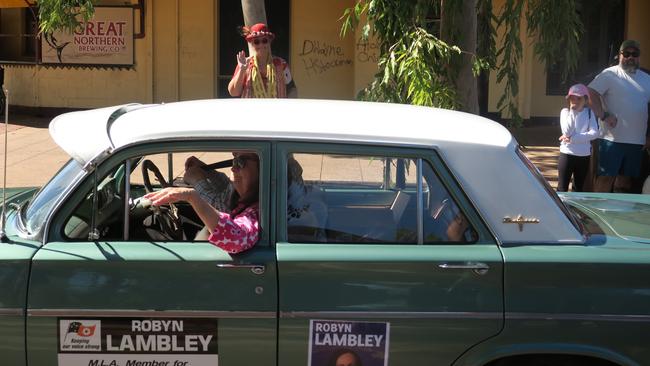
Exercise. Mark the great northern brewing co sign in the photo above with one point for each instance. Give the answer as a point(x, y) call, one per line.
point(106, 39)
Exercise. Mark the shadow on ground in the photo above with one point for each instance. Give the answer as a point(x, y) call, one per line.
point(29, 120)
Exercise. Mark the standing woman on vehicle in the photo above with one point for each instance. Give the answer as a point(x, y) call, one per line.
point(261, 75)
point(579, 127)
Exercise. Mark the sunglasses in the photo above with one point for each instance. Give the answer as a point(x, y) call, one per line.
point(240, 161)
point(630, 54)
point(257, 41)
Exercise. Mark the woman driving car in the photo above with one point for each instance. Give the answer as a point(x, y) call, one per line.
point(234, 231)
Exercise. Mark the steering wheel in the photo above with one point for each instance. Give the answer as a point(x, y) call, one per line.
point(166, 219)
point(148, 165)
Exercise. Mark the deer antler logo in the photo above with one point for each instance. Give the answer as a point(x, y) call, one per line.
point(49, 38)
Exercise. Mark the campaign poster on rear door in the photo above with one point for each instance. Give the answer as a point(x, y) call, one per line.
point(349, 343)
point(137, 342)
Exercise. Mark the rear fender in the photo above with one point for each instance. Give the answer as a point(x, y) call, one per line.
point(489, 351)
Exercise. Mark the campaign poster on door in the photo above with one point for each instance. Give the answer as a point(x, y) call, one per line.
point(105, 39)
point(338, 342)
point(142, 341)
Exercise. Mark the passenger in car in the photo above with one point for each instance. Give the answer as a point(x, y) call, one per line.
point(306, 211)
point(234, 231)
point(213, 186)
point(457, 229)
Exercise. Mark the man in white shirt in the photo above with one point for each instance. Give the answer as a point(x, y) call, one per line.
point(625, 91)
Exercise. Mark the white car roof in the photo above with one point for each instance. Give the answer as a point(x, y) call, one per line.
point(479, 152)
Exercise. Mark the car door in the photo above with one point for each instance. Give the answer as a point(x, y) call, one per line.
point(368, 271)
point(15, 258)
point(112, 301)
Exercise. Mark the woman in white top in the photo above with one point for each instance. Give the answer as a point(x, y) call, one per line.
point(579, 126)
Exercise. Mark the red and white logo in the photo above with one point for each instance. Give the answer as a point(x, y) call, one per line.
point(82, 335)
point(85, 331)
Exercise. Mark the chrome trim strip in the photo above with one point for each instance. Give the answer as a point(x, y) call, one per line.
point(12, 312)
point(388, 314)
point(580, 317)
point(105, 313)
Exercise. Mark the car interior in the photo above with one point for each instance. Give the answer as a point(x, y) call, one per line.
point(330, 199)
point(173, 222)
point(361, 199)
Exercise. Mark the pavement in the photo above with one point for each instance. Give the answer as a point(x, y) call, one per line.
point(33, 157)
point(541, 146)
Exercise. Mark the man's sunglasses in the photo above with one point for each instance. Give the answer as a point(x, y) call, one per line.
point(257, 41)
point(239, 162)
point(630, 54)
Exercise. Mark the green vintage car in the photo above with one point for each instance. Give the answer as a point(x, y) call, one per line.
point(390, 235)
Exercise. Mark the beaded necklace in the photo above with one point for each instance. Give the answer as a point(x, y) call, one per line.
point(259, 89)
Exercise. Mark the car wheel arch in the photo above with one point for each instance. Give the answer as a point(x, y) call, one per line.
point(523, 354)
point(544, 359)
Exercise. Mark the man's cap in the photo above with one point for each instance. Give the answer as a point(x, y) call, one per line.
point(630, 43)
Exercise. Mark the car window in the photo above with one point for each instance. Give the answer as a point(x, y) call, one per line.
point(43, 202)
point(549, 190)
point(104, 208)
point(108, 206)
point(335, 198)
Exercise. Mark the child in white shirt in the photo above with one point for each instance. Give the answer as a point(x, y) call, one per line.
point(579, 127)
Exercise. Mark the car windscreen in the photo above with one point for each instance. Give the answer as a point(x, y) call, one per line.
point(45, 199)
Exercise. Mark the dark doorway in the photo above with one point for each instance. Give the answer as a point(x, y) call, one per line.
point(231, 42)
point(604, 22)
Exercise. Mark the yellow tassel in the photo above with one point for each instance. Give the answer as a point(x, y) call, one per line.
point(259, 89)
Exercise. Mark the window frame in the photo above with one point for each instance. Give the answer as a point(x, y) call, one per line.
point(27, 36)
point(429, 156)
point(73, 200)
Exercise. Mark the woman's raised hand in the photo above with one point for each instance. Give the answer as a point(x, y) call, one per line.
point(241, 60)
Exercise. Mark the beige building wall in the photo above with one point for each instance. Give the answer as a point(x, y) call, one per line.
point(366, 56)
point(183, 50)
point(638, 27)
point(322, 62)
point(174, 61)
point(177, 61)
point(532, 100)
point(324, 65)
point(77, 87)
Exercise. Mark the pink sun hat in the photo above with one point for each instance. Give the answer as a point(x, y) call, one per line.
point(579, 90)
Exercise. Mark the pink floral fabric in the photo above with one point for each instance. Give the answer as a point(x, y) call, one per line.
point(238, 231)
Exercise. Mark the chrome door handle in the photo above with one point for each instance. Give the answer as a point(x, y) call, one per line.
point(257, 269)
point(479, 268)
